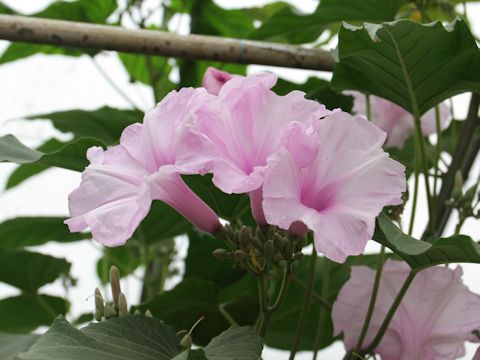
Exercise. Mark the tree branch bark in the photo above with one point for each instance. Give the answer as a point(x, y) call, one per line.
point(153, 42)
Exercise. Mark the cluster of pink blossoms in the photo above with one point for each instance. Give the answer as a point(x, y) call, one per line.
point(303, 166)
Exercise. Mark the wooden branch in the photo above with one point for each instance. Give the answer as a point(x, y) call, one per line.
point(152, 42)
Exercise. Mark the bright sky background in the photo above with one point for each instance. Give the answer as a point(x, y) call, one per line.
point(43, 84)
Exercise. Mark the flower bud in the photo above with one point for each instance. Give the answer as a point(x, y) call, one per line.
point(269, 250)
point(99, 305)
point(257, 243)
point(245, 236)
point(115, 284)
point(259, 234)
point(148, 313)
point(186, 342)
point(122, 305)
point(240, 255)
point(222, 254)
point(298, 256)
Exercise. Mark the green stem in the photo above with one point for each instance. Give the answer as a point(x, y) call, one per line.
point(283, 290)
point(305, 307)
point(315, 297)
point(438, 150)
point(373, 300)
point(226, 315)
point(369, 107)
point(263, 302)
point(415, 189)
point(391, 312)
point(322, 317)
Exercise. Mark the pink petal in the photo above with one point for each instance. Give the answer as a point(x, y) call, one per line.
point(214, 79)
point(340, 191)
point(397, 122)
point(433, 321)
point(242, 127)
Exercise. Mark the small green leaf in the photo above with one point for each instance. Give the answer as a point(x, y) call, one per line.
point(105, 124)
point(26, 312)
point(30, 271)
point(133, 337)
point(31, 231)
point(421, 254)
point(13, 344)
point(71, 156)
point(397, 61)
point(237, 343)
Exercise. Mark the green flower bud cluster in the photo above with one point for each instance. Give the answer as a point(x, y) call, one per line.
point(257, 249)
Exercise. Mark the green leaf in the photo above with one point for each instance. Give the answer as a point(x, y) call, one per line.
point(422, 254)
point(4, 9)
point(133, 337)
point(71, 156)
point(398, 62)
point(30, 231)
point(316, 89)
point(26, 312)
point(92, 11)
point(30, 271)
point(200, 262)
point(23, 172)
point(12, 344)
point(237, 343)
point(162, 222)
point(105, 124)
point(232, 207)
point(193, 298)
point(185, 304)
point(289, 25)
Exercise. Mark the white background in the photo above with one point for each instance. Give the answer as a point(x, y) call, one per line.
point(42, 84)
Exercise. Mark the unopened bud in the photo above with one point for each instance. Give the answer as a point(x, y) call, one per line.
point(257, 243)
point(137, 312)
point(99, 305)
point(245, 236)
point(122, 305)
point(115, 284)
point(186, 342)
point(148, 313)
point(221, 254)
point(269, 250)
point(259, 234)
point(240, 255)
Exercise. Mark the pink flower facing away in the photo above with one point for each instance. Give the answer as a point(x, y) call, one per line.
point(435, 318)
point(239, 129)
point(120, 183)
point(396, 121)
point(336, 191)
point(214, 79)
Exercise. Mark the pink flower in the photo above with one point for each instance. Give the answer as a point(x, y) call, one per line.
point(214, 79)
point(436, 316)
point(120, 183)
point(477, 355)
point(238, 131)
point(397, 122)
point(333, 178)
